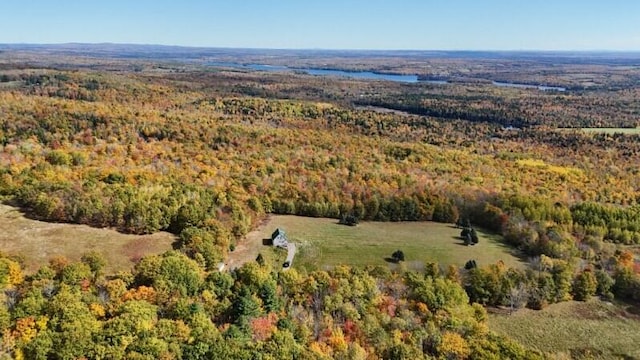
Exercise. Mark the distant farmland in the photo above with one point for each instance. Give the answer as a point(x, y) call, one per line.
point(627, 131)
point(323, 243)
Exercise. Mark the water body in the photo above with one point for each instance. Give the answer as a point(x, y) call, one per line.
point(362, 75)
point(368, 75)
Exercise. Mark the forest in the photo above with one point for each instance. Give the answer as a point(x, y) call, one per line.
point(207, 153)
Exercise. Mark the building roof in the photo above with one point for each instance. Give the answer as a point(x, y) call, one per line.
point(278, 232)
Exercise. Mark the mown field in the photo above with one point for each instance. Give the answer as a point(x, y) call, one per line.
point(592, 330)
point(37, 242)
point(627, 131)
point(324, 243)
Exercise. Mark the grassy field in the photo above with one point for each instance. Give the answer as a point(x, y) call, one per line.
point(11, 84)
point(604, 330)
point(628, 131)
point(39, 241)
point(323, 243)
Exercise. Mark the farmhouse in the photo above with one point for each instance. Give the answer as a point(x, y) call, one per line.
point(279, 238)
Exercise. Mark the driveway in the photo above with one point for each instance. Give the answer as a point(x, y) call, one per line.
point(291, 252)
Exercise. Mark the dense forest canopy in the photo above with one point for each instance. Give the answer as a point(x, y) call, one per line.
point(207, 153)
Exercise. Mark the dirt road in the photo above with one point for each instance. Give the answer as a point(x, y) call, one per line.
point(248, 248)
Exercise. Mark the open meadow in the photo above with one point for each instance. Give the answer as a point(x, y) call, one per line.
point(37, 242)
point(590, 330)
point(324, 243)
point(626, 131)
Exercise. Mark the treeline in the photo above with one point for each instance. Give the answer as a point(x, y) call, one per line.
point(608, 223)
point(418, 207)
point(517, 108)
point(550, 281)
point(169, 307)
point(418, 106)
point(576, 142)
point(140, 209)
point(568, 257)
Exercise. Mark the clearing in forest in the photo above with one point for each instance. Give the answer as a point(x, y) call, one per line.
point(323, 243)
point(38, 241)
point(627, 131)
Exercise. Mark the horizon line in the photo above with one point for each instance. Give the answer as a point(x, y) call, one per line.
point(323, 48)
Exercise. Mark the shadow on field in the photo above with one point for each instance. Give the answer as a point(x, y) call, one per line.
point(633, 311)
point(613, 352)
point(459, 240)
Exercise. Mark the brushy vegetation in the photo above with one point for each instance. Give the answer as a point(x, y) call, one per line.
point(582, 330)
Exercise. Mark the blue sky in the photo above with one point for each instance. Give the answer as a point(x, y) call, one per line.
point(330, 24)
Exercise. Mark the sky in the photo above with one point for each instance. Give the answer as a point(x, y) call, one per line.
point(330, 24)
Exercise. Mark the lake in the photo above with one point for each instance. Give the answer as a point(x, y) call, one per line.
point(368, 75)
point(362, 75)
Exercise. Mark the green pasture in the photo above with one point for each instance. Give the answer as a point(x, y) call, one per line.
point(323, 243)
